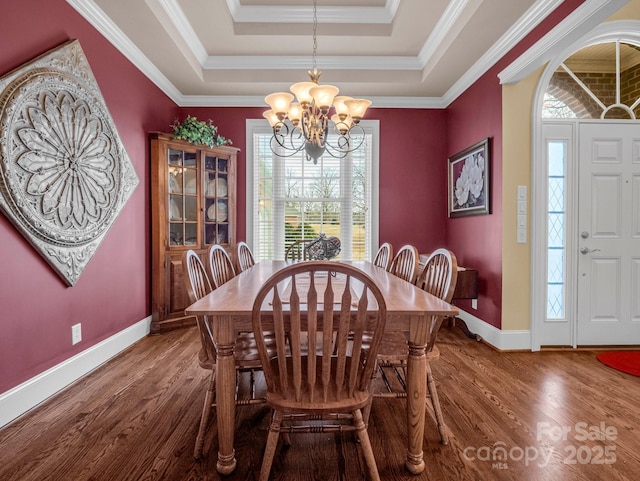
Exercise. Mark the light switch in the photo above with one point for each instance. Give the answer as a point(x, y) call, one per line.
point(522, 221)
point(522, 192)
point(522, 236)
point(522, 207)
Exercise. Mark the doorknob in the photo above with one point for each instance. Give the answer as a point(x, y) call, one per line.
point(586, 250)
point(584, 234)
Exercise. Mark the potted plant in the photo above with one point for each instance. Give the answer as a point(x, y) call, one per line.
point(198, 132)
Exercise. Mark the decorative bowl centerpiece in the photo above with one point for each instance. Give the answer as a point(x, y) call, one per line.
point(323, 248)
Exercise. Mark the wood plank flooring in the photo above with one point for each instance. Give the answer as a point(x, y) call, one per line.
point(557, 415)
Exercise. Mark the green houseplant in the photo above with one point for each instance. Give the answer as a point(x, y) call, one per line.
point(198, 132)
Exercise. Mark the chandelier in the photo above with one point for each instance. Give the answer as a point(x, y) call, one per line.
point(304, 124)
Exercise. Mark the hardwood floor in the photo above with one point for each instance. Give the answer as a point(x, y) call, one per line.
point(558, 415)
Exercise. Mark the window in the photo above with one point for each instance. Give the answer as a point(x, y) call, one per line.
point(600, 81)
point(290, 198)
point(557, 153)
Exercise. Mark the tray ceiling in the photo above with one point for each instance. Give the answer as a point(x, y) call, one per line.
point(234, 52)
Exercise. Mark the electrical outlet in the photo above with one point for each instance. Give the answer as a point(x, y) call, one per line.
point(76, 333)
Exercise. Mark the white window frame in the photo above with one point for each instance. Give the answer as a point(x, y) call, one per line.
point(261, 126)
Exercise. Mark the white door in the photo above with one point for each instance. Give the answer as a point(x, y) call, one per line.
point(608, 311)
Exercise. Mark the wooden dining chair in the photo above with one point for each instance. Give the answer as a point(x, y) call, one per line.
point(296, 251)
point(384, 256)
point(244, 257)
point(246, 354)
point(315, 303)
point(405, 263)
point(220, 265)
point(438, 278)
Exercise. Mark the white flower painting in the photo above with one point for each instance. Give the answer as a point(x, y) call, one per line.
point(468, 181)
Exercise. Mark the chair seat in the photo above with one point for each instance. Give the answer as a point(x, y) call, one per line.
point(245, 352)
point(334, 402)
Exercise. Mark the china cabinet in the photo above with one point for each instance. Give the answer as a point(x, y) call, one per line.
point(193, 205)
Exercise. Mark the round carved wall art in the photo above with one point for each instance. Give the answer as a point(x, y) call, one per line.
point(64, 173)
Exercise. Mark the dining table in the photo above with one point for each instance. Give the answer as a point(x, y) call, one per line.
point(409, 309)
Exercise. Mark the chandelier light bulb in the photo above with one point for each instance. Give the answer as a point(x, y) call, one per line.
point(323, 96)
point(357, 108)
point(342, 124)
point(279, 103)
point(295, 113)
point(273, 119)
point(301, 91)
point(339, 104)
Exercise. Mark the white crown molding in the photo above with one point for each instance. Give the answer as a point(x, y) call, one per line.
point(274, 62)
point(442, 31)
point(258, 101)
point(181, 23)
point(92, 13)
point(583, 19)
point(538, 12)
point(103, 24)
point(304, 14)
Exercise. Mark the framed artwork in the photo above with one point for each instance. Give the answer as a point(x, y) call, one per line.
point(469, 181)
point(64, 173)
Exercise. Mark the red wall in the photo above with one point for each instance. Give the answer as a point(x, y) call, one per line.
point(37, 309)
point(475, 115)
point(413, 199)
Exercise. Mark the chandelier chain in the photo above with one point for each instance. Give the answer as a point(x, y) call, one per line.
point(315, 33)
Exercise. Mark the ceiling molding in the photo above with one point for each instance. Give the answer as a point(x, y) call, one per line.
point(583, 19)
point(333, 14)
point(258, 101)
point(175, 16)
point(448, 27)
point(103, 24)
point(270, 62)
point(539, 11)
point(586, 16)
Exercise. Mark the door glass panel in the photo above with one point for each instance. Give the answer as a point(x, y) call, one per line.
point(216, 203)
point(190, 182)
point(175, 208)
point(556, 153)
point(190, 159)
point(190, 209)
point(176, 236)
point(190, 234)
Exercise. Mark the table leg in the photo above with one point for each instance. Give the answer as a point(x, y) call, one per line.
point(416, 396)
point(456, 321)
point(225, 395)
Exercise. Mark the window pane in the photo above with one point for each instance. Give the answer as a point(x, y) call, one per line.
point(556, 154)
point(297, 199)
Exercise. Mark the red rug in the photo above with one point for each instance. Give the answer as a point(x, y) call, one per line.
point(625, 361)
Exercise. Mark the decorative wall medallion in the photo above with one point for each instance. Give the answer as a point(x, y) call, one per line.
point(64, 173)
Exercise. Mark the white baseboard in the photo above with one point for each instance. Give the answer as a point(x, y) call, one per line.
point(501, 340)
point(29, 394)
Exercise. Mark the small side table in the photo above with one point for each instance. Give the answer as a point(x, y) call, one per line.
point(466, 288)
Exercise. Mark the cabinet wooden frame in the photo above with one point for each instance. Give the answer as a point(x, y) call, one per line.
point(168, 293)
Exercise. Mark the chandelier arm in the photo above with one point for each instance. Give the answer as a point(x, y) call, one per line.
point(349, 141)
point(282, 150)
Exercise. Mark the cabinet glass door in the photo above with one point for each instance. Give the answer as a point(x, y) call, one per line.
point(183, 199)
point(216, 200)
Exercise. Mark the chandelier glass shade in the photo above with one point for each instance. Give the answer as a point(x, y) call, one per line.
point(302, 120)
